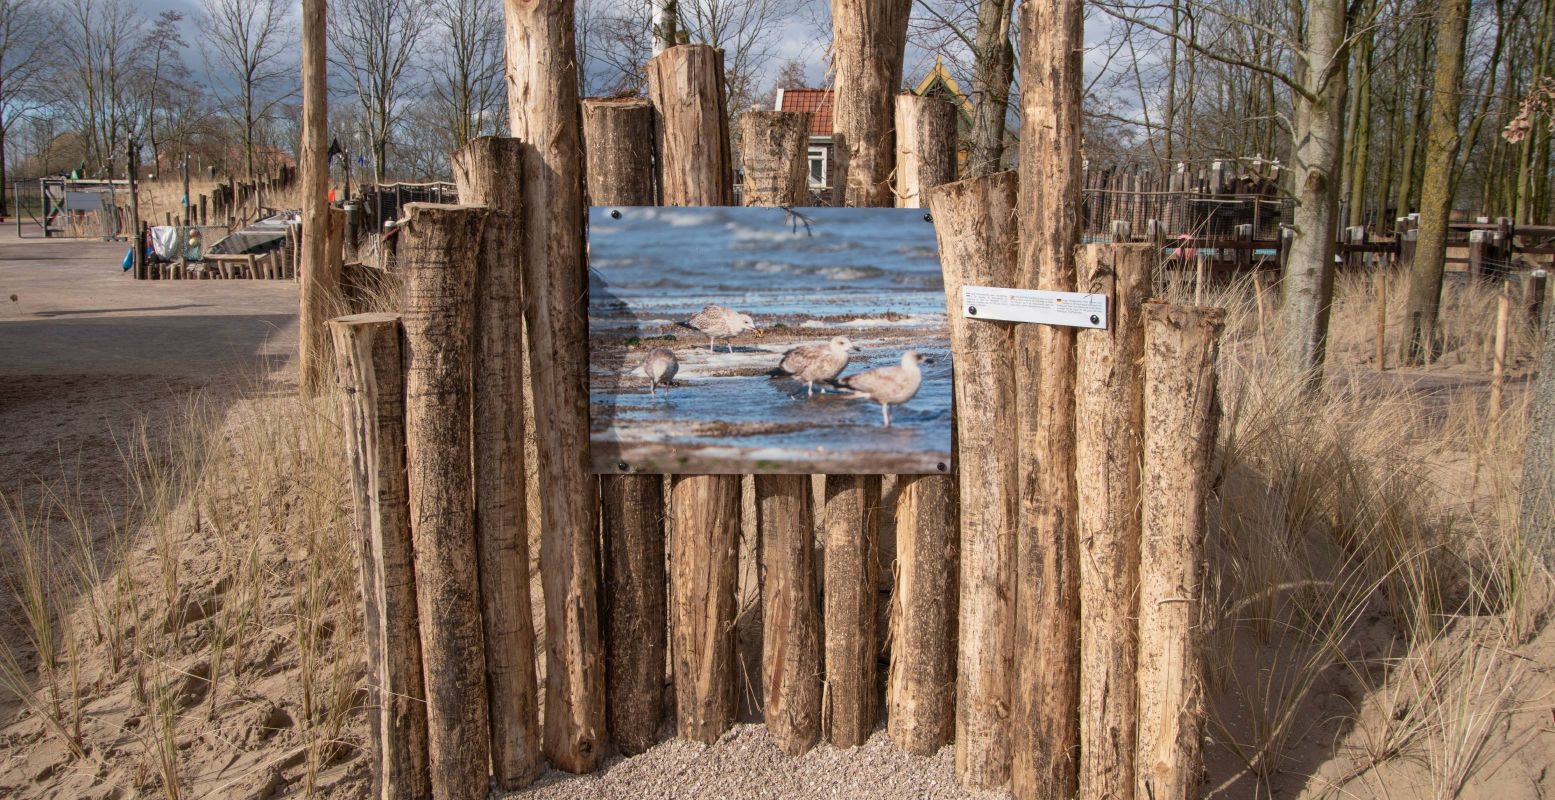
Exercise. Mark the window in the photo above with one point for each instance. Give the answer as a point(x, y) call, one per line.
point(817, 167)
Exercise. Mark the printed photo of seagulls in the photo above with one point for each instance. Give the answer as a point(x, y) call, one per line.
point(767, 340)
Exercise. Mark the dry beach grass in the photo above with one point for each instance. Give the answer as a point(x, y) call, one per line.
point(1375, 622)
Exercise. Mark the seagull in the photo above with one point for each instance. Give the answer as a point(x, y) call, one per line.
point(719, 323)
point(660, 366)
point(815, 362)
point(888, 386)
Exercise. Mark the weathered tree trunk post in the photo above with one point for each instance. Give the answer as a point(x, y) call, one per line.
point(619, 134)
point(775, 148)
point(1382, 319)
point(439, 252)
point(925, 146)
point(320, 298)
point(977, 242)
point(1498, 358)
point(132, 172)
point(1534, 284)
point(1181, 417)
point(488, 172)
point(1045, 706)
point(869, 40)
point(921, 684)
point(687, 88)
point(774, 153)
point(369, 369)
point(542, 76)
point(1108, 420)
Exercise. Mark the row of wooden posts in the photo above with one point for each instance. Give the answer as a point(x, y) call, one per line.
point(437, 399)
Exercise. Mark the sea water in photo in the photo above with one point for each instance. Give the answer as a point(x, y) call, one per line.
point(804, 277)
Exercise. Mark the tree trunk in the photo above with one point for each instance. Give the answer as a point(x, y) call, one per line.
point(1045, 706)
point(686, 85)
point(1361, 137)
point(369, 367)
point(1109, 415)
point(977, 242)
point(320, 297)
point(1419, 344)
point(775, 148)
point(925, 146)
point(544, 113)
point(921, 684)
point(869, 42)
point(619, 135)
point(1537, 510)
point(1307, 289)
point(1181, 417)
point(488, 172)
point(438, 252)
point(993, 71)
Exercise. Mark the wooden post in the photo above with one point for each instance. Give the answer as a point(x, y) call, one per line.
point(1122, 232)
point(775, 157)
point(1382, 320)
point(977, 242)
point(925, 146)
point(619, 134)
point(439, 253)
point(1181, 415)
point(869, 39)
point(852, 541)
point(1045, 705)
point(1108, 420)
point(1534, 284)
point(320, 297)
point(544, 113)
point(704, 558)
point(687, 88)
point(372, 397)
point(775, 150)
point(489, 172)
point(921, 684)
point(1498, 363)
point(1479, 247)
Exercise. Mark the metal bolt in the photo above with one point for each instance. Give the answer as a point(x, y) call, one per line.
point(941, 466)
point(928, 217)
point(621, 465)
point(1095, 320)
point(615, 214)
point(971, 311)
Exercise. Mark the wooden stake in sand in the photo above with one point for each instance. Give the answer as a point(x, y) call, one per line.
point(543, 109)
point(1181, 416)
point(320, 297)
point(438, 255)
point(977, 240)
point(1382, 320)
point(869, 39)
point(488, 172)
point(775, 155)
point(372, 397)
point(687, 88)
point(1498, 361)
point(921, 684)
point(621, 171)
point(1109, 417)
point(1045, 705)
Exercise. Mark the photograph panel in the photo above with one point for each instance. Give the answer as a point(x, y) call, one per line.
point(767, 340)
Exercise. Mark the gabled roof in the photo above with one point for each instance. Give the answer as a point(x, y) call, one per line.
point(816, 101)
point(939, 78)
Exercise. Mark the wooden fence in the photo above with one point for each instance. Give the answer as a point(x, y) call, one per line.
point(490, 349)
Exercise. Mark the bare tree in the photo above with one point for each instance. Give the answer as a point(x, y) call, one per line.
point(747, 30)
point(25, 26)
point(101, 86)
point(466, 68)
point(163, 76)
point(978, 31)
point(374, 43)
point(247, 59)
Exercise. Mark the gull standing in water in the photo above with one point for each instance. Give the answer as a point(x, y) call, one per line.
point(888, 386)
point(719, 323)
point(660, 367)
point(815, 362)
